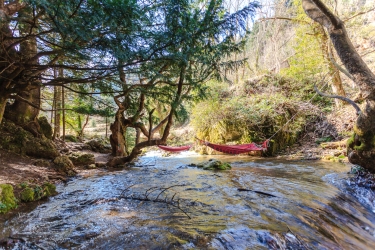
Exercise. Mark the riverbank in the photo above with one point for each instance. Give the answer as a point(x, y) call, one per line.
point(308, 204)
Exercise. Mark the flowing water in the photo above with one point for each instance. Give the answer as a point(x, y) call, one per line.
point(259, 204)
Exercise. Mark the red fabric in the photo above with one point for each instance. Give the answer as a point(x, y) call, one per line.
point(174, 149)
point(237, 149)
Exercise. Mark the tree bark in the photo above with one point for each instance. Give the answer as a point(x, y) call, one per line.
point(117, 138)
point(25, 108)
point(3, 103)
point(57, 100)
point(361, 147)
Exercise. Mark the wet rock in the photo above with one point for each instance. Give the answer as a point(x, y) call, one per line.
point(7, 199)
point(45, 127)
point(80, 159)
point(64, 165)
point(214, 165)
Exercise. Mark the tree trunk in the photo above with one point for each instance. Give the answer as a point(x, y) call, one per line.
point(117, 138)
point(361, 147)
point(169, 119)
point(22, 113)
point(57, 99)
point(25, 109)
point(3, 103)
point(63, 111)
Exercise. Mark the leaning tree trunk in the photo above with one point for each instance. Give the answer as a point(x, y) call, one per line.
point(361, 148)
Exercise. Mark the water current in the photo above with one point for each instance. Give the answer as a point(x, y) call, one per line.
point(162, 203)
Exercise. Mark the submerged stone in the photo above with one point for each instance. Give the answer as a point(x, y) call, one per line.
point(214, 165)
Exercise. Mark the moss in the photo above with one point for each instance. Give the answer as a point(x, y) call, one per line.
point(64, 165)
point(224, 166)
point(27, 194)
point(45, 127)
point(82, 159)
point(49, 189)
point(214, 165)
point(7, 199)
point(71, 138)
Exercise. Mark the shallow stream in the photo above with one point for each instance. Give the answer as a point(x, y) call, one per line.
point(259, 204)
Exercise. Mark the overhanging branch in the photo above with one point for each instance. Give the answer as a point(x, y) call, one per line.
point(357, 108)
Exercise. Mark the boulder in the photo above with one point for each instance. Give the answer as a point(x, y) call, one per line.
point(15, 139)
point(81, 159)
point(64, 165)
point(99, 146)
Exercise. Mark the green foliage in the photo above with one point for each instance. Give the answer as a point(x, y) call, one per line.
point(308, 60)
point(36, 192)
point(27, 194)
point(7, 199)
point(253, 111)
point(49, 189)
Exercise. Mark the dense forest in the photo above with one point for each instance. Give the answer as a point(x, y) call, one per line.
point(123, 76)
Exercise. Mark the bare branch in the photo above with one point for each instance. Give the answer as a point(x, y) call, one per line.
point(358, 109)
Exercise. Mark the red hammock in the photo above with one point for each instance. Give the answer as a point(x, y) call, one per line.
point(174, 149)
point(236, 149)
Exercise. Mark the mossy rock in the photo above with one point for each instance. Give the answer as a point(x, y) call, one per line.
point(45, 127)
point(49, 189)
point(82, 158)
point(99, 146)
point(27, 194)
point(91, 166)
point(214, 165)
point(7, 199)
point(64, 165)
point(15, 139)
point(71, 138)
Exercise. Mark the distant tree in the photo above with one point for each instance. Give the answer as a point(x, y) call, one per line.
point(361, 147)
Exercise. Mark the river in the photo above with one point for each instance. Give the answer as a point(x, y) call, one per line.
point(162, 203)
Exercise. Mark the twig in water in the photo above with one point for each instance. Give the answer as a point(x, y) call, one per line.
point(258, 192)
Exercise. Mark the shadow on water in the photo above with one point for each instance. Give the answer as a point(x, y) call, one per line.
point(311, 207)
